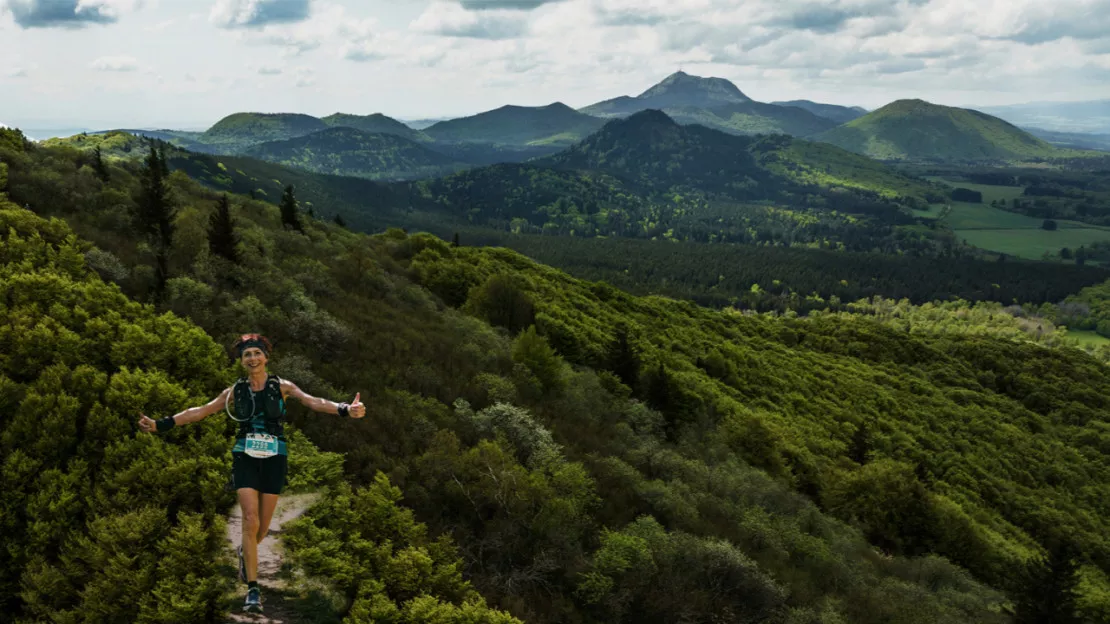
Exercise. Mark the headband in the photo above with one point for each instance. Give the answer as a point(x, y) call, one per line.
point(253, 342)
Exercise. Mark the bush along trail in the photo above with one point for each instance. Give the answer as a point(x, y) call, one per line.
point(102, 523)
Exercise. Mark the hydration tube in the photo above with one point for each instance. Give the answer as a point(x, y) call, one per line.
point(227, 400)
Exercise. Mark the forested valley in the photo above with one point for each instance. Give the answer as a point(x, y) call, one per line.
point(538, 447)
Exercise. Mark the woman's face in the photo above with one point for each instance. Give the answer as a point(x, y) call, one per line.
point(253, 359)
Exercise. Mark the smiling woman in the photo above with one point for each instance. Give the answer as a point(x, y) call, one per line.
point(259, 460)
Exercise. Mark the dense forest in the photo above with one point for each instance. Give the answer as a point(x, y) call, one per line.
point(775, 278)
point(571, 452)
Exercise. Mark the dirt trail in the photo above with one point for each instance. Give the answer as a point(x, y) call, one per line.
point(276, 607)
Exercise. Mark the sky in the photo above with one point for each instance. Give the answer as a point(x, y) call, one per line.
point(185, 64)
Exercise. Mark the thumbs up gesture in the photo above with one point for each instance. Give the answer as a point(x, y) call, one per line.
point(357, 409)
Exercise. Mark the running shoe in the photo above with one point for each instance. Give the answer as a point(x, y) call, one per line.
point(253, 603)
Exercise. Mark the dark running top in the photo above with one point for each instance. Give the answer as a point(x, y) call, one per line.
point(267, 410)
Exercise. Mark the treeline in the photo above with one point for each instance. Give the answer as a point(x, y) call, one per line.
point(773, 278)
point(1078, 191)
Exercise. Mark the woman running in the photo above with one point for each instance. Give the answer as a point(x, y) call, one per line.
point(259, 466)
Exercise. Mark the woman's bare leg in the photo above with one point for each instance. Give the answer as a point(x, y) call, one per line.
point(265, 514)
point(249, 503)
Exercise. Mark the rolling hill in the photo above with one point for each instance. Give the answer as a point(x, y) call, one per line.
point(239, 130)
point(375, 123)
point(715, 103)
point(919, 130)
point(350, 152)
point(555, 125)
point(656, 152)
point(839, 114)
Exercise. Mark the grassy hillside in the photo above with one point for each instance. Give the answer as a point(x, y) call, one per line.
point(239, 130)
point(376, 123)
point(839, 114)
point(555, 124)
point(918, 130)
point(694, 465)
point(346, 151)
point(754, 118)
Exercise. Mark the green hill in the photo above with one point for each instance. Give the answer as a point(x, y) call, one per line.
point(631, 458)
point(652, 149)
point(554, 125)
point(918, 130)
point(679, 90)
point(839, 114)
point(715, 103)
point(346, 151)
point(240, 130)
point(376, 123)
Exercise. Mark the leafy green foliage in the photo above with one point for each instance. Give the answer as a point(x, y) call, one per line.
point(377, 556)
point(757, 435)
point(918, 130)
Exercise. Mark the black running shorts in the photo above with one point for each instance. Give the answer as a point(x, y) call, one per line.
point(265, 475)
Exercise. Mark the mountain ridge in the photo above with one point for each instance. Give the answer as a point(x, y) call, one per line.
point(914, 129)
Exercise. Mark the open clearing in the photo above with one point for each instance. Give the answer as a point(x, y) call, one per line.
point(1010, 233)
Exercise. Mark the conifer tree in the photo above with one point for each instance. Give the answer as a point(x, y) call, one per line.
point(623, 359)
point(98, 165)
point(156, 213)
point(223, 240)
point(339, 220)
point(1046, 592)
point(290, 217)
point(455, 240)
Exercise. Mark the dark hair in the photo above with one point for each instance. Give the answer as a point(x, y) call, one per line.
point(252, 340)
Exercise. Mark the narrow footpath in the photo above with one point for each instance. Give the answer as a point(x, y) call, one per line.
point(275, 601)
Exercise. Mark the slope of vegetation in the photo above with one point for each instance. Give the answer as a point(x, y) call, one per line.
point(555, 124)
point(240, 130)
point(837, 113)
point(918, 130)
point(376, 123)
point(695, 465)
point(346, 151)
point(748, 118)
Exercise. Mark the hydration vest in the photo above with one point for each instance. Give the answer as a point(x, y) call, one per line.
point(272, 417)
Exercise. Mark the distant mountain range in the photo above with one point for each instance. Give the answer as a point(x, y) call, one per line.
point(715, 103)
point(918, 130)
point(556, 125)
point(1085, 117)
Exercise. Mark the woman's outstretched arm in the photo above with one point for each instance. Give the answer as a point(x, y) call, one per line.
point(189, 416)
point(355, 409)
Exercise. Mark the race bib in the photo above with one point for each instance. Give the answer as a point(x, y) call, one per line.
point(260, 445)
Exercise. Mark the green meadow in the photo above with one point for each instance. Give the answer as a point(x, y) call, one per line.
point(1010, 233)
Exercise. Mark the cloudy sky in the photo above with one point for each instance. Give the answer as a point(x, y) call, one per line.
point(186, 63)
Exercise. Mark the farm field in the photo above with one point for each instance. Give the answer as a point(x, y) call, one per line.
point(1010, 233)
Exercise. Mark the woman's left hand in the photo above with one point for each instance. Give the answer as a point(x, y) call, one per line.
point(357, 409)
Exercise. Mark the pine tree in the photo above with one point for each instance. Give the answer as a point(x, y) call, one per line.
point(156, 213)
point(223, 240)
point(98, 165)
point(1046, 591)
point(290, 217)
point(455, 240)
point(339, 220)
point(623, 359)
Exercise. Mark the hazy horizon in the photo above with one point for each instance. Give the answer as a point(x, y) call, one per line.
point(99, 64)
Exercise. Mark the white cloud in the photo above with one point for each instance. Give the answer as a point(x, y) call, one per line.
point(16, 72)
point(258, 13)
point(453, 20)
point(115, 64)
